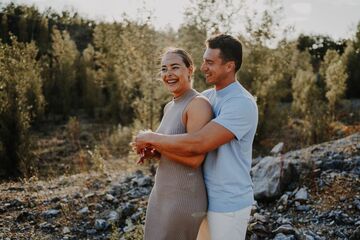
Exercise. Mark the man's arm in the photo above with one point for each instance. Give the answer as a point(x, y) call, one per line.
point(236, 119)
point(210, 137)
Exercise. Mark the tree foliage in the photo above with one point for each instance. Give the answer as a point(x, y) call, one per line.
point(111, 70)
point(21, 100)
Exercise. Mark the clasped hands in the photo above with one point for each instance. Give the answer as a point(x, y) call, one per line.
point(142, 147)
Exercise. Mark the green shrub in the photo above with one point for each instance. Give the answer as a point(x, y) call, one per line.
point(21, 100)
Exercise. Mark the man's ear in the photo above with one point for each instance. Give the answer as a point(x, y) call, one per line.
point(230, 65)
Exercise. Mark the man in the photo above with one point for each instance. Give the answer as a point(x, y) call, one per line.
point(227, 138)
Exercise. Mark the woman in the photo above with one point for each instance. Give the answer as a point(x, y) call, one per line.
point(178, 202)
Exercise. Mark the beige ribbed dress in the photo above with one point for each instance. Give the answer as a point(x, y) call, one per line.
point(178, 202)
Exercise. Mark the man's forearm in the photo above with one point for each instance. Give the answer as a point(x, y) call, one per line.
point(190, 161)
point(181, 144)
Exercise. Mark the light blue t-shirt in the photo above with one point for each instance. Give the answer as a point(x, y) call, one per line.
point(227, 169)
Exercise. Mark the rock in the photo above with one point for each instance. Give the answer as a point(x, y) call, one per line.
point(16, 203)
point(77, 195)
point(66, 230)
point(256, 161)
point(356, 234)
point(281, 236)
point(332, 164)
point(258, 228)
point(254, 237)
point(109, 198)
point(126, 210)
point(113, 217)
point(302, 195)
point(25, 216)
point(261, 218)
point(99, 206)
point(283, 200)
point(277, 148)
point(51, 213)
point(89, 195)
point(47, 227)
point(144, 181)
point(55, 200)
point(83, 211)
point(285, 229)
point(356, 202)
point(91, 232)
point(136, 217)
point(138, 192)
point(116, 189)
point(101, 224)
point(308, 237)
point(283, 220)
point(271, 176)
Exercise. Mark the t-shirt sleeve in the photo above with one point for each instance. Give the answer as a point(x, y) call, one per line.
point(238, 115)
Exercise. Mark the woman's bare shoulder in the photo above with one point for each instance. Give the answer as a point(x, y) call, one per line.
point(200, 104)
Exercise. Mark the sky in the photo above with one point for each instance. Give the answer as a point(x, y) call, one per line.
point(336, 18)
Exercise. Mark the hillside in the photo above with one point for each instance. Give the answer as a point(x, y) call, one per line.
point(317, 197)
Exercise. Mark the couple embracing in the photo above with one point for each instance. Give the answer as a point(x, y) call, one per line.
point(203, 189)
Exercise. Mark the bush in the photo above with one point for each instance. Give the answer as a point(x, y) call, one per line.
point(21, 100)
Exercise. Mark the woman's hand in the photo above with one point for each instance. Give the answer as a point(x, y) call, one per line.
point(142, 146)
point(142, 140)
point(148, 153)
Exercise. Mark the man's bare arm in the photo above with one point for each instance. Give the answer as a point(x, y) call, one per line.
point(210, 137)
point(191, 161)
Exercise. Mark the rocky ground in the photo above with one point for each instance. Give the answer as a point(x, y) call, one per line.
point(312, 193)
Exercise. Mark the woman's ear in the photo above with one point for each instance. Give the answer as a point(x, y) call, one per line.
point(191, 70)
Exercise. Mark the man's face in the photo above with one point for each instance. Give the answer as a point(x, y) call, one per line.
point(213, 66)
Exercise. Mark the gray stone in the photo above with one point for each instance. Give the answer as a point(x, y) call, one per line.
point(281, 236)
point(109, 198)
point(136, 217)
point(83, 211)
point(101, 224)
point(271, 176)
point(259, 229)
point(302, 195)
point(66, 230)
point(51, 213)
point(283, 200)
point(302, 208)
point(126, 210)
point(277, 148)
point(261, 218)
point(356, 234)
point(144, 181)
point(113, 217)
point(286, 229)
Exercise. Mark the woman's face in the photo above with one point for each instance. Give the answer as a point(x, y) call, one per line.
point(175, 74)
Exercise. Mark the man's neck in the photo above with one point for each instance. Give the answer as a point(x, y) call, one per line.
point(224, 83)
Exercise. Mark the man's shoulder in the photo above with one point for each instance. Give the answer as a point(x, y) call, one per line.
point(208, 92)
point(239, 96)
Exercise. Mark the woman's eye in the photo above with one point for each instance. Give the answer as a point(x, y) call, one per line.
point(163, 70)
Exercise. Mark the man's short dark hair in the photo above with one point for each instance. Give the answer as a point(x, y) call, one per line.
point(230, 48)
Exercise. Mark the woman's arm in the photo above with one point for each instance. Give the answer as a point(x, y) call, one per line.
point(197, 114)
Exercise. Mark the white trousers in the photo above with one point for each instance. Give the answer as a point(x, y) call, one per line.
point(225, 225)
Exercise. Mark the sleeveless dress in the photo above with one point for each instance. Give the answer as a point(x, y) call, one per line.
point(178, 201)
